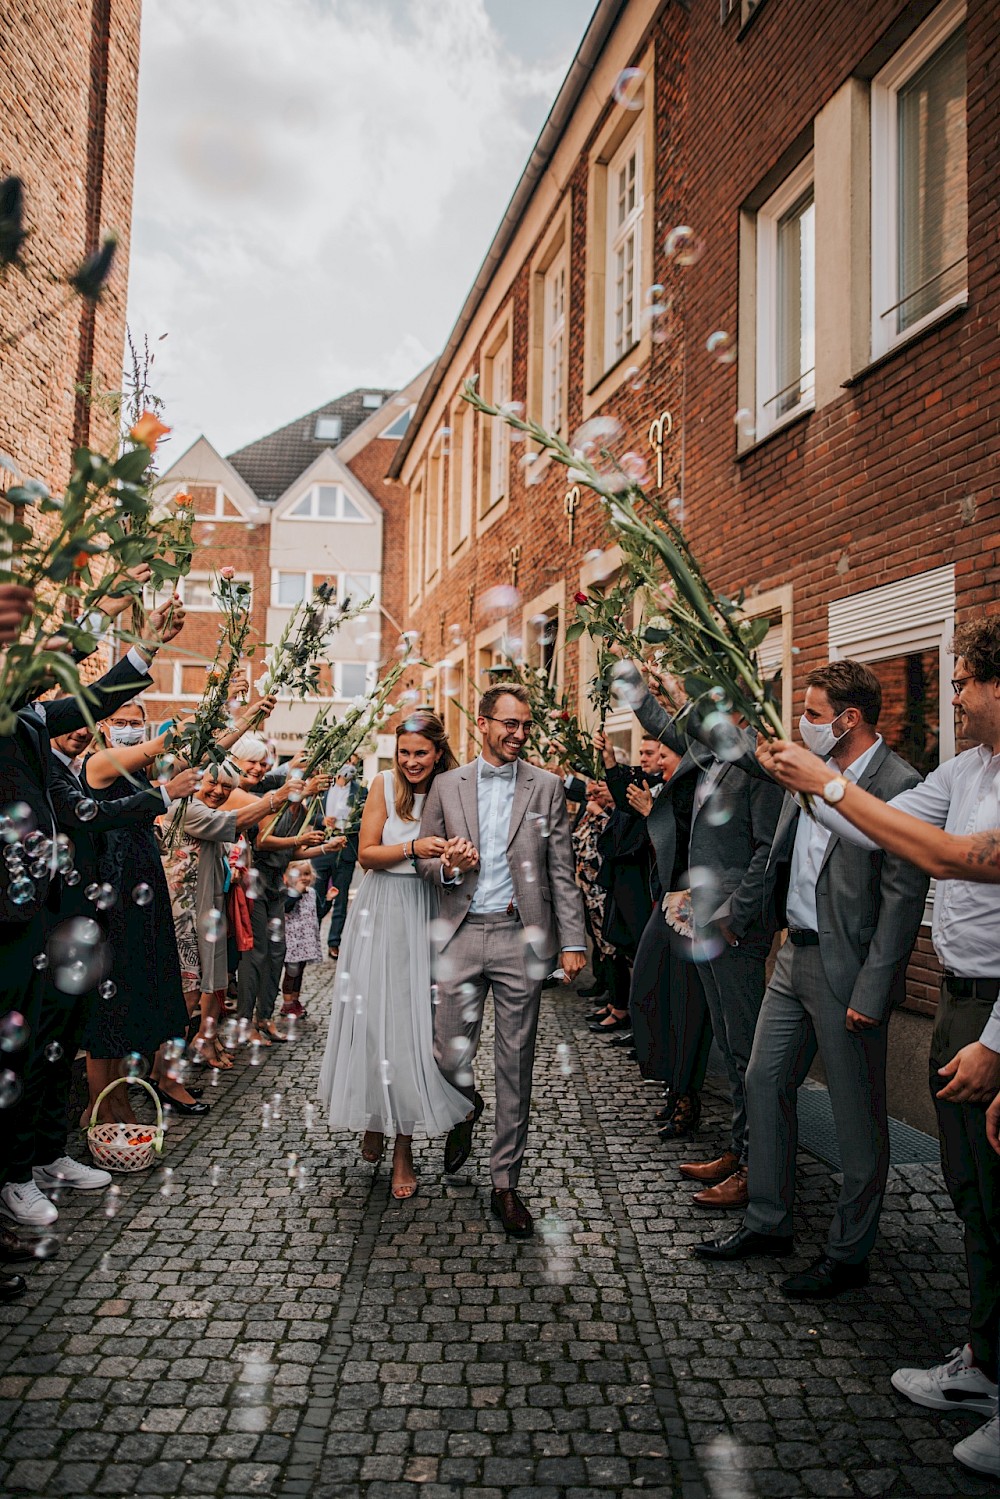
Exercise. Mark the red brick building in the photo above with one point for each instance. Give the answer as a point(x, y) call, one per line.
point(68, 80)
point(767, 229)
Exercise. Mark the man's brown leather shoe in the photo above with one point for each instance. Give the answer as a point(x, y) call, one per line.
point(15, 1246)
point(711, 1171)
point(514, 1216)
point(731, 1193)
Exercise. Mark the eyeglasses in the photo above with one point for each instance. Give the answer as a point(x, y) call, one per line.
point(511, 725)
point(127, 723)
point(957, 683)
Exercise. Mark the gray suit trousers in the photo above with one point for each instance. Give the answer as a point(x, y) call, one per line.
point(734, 985)
point(800, 1012)
point(490, 952)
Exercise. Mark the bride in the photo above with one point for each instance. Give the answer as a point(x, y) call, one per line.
point(379, 1074)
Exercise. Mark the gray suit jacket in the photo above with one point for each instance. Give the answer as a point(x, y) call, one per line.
point(733, 842)
point(542, 868)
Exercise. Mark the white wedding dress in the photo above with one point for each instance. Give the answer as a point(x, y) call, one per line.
point(379, 1071)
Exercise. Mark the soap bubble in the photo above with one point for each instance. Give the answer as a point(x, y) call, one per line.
point(308, 1115)
point(599, 432)
point(627, 91)
point(86, 810)
point(167, 1182)
point(528, 870)
point(108, 989)
point(635, 377)
point(716, 811)
point(112, 1200)
point(53, 1052)
point(72, 877)
point(38, 869)
point(16, 821)
point(92, 891)
point(210, 925)
point(724, 737)
point(229, 1034)
point(164, 768)
point(721, 346)
point(531, 468)
point(106, 897)
point(255, 1054)
point(135, 1065)
point(37, 846)
point(683, 246)
point(142, 894)
point(10, 1088)
point(265, 1116)
point(215, 1175)
point(45, 1248)
point(276, 930)
point(745, 422)
point(21, 891)
point(499, 600)
point(14, 1031)
point(385, 1071)
point(40, 961)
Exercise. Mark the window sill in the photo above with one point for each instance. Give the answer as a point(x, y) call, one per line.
point(948, 314)
point(614, 376)
point(492, 515)
point(775, 432)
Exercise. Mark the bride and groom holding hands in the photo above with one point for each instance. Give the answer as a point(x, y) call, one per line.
point(469, 886)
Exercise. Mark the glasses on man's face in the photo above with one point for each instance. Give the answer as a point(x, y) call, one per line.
point(957, 683)
point(513, 725)
point(127, 723)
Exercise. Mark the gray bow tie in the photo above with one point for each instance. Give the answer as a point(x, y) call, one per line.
point(504, 771)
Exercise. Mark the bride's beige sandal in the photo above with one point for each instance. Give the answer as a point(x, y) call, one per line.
point(369, 1152)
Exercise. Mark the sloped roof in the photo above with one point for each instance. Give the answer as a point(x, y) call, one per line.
point(272, 463)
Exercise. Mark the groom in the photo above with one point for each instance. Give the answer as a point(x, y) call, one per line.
point(509, 905)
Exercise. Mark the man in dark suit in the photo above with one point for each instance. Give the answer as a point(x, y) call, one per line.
point(345, 801)
point(852, 917)
point(715, 826)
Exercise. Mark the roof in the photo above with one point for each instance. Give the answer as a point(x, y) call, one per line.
point(272, 463)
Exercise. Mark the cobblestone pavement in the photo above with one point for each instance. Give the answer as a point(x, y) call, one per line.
point(266, 1321)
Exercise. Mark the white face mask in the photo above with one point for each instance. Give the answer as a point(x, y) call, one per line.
point(124, 738)
point(819, 737)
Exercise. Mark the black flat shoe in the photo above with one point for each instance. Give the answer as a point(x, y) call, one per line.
point(624, 1038)
point(744, 1244)
point(192, 1110)
point(605, 1029)
point(458, 1145)
point(825, 1278)
point(12, 1286)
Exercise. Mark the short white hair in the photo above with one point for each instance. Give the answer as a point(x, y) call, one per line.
point(249, 747)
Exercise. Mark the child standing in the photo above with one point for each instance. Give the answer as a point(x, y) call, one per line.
point(302, 940)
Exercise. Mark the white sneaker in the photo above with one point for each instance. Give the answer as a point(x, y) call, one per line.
point(954, 1386)
point(980, 1450)
point(65, 1172)
point(25, 1204)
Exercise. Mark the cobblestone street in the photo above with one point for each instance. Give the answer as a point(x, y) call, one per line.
point(265, 1320)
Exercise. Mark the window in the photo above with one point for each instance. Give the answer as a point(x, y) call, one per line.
point(192, 683)
point(554, 354)
point(435, 501)
point(352, 678)
point(920, 180)
point(397, 428)
point(288, 589)
point(357, 586)
point(494, 473)
point(786, 301)
point(624, 256)
point(327, 429)
point(196, 590)
point(325, 502)
point(210, 502)
point(541, 632)
point(416, 537)
point(460, 475)
point(371, 400)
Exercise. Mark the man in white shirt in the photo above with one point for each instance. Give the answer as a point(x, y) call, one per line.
point(963, 797)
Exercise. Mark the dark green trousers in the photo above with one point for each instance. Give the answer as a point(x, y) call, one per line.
point(972, 1173)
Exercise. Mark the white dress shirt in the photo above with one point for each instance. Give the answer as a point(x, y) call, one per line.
point(338, 803)
point(962, 796)
point(495, 786)
point(811, 839)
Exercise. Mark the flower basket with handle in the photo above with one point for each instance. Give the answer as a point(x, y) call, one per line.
point(125, 1147)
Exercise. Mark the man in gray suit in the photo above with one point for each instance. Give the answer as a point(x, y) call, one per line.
point(852, 917)
point(725, 837)
point(509, 905)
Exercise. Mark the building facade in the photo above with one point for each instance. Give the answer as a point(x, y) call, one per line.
point(760, 238)
point(289, 512)
point(68, 88)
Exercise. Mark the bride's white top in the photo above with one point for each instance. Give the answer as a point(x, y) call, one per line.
point(398, 829)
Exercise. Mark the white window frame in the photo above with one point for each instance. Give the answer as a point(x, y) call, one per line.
point(277, 573)
point(340, 695)
point(795, 186)
point(310, 583)
point(374, 587)
point(498, 479)
point(555, 293)
point(461, 476)
point(312, 496)
point(205, 577)
point(218, 512)
point(619, 235)
point(389, 434)
point(940, 25)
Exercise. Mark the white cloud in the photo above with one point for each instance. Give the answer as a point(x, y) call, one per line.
point(316, 184)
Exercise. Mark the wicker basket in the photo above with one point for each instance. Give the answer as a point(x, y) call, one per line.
point(125, 1147)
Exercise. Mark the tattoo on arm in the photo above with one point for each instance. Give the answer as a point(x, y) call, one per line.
point(985, 850)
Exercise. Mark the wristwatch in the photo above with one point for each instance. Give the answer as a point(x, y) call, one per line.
point(833, 791)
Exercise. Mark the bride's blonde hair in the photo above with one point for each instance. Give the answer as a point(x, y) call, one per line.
point(429, 726)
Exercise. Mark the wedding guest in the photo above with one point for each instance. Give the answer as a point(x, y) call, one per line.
point(302, 939)
point(379, 1072)
point(597, 809)
point(852, 919)
point(344, 802)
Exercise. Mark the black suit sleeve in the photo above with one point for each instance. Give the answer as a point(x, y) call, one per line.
point(120, 812)
point(117, 686)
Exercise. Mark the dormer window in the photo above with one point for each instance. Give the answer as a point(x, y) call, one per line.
point(326, 502)
point(371, 400)
point(327, 429)
point(397, 429)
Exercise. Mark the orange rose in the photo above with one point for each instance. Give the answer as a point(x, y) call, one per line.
point(148, 430)
point(81, 559)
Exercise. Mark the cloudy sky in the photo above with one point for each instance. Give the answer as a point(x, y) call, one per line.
point(316, 184)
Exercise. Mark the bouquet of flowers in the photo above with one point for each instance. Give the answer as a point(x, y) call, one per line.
point(294, 662)
point(705, 636)
point(557, 732)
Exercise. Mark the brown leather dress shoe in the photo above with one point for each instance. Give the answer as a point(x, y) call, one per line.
point(506, 1205)
point(731, 1193)
point(15, 1246)
point(711, 1171)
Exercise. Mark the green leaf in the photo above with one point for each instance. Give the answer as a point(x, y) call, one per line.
point(575, 630)
point(755, 630)
point(132, 464)
point(655, 636)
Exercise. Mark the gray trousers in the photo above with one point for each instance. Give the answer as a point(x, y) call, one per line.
point(258, 977)
point(489, 952)
point(800, 1013)
point(734, 984)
